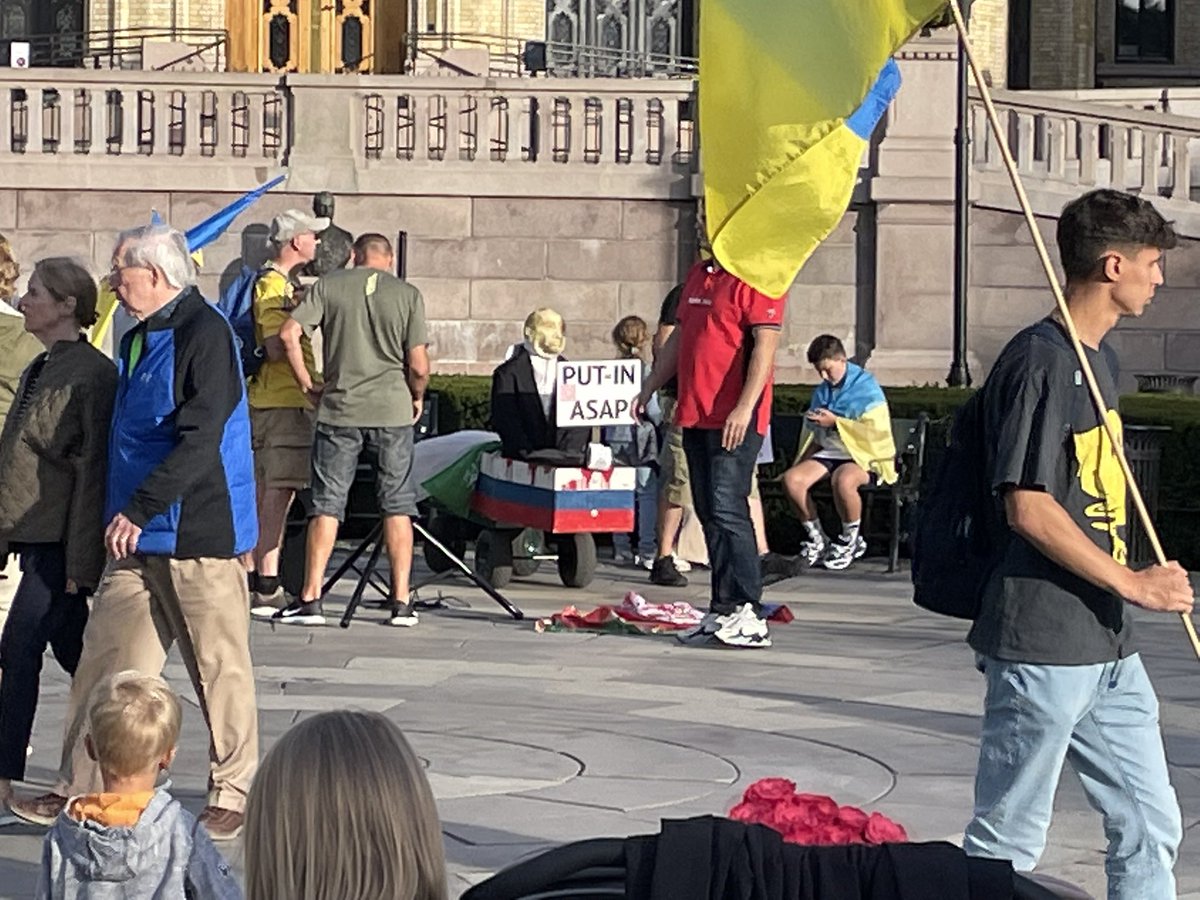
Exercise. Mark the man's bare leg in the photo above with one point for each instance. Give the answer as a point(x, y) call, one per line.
point(322, 533)
point(273, 507)
point(670, 520)
point(398, 538)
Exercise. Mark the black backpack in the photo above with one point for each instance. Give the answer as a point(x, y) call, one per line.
point(958, 533)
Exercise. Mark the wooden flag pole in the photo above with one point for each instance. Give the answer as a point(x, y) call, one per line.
point(1061, 301)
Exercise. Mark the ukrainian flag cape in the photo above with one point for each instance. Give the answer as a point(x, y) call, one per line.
point(863, 422)
point(789, 95)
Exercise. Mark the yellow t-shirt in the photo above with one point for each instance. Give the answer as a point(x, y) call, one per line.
point(273, 385)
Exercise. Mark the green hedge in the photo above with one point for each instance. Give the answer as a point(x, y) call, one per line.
point(463, 402)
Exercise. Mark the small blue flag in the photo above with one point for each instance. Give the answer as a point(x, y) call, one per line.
point(216, 224)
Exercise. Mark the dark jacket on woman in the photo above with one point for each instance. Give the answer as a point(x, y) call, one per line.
point(54, 456)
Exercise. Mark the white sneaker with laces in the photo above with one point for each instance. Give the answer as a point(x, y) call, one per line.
point(743, 628)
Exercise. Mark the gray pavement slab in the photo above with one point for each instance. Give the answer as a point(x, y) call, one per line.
point(535, 739)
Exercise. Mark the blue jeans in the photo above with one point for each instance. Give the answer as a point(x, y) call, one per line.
point(720, 482)
point(1103, 720)
point(647, 517)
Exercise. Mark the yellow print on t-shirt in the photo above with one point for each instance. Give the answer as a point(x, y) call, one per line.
point(1101, 477)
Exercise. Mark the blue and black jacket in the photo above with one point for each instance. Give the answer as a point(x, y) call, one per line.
point(179, 464)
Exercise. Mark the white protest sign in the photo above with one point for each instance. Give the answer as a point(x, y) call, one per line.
point(597, 393)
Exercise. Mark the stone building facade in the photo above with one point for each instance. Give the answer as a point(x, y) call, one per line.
point(1079, 44)
point(506, 206)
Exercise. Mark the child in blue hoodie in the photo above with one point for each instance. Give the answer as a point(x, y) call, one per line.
point(132, 840)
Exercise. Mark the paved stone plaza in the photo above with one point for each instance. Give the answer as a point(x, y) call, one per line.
point(533, 739)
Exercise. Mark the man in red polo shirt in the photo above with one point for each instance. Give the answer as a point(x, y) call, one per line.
point(723, 356)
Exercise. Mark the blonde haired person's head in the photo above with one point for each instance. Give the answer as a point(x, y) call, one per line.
point(133, 724)
point(10, 271)
point(341, 810)
point(545, 332)
point(630, 336)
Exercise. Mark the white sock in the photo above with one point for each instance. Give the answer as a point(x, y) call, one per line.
point(814, 531)
point(850, 531)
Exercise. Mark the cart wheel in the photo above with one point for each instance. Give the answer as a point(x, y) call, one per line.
point(523, 568)
point(493, 558)
point(577, 560)
point(525, 546)
point(442, 528)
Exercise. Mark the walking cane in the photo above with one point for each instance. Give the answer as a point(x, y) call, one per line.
point(1093, 388)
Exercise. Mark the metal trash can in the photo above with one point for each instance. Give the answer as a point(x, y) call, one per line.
point(1143, 449)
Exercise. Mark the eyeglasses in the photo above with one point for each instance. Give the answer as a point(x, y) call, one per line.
point(117, 269)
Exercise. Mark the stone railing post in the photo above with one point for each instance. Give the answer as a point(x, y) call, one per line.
point(327, 127)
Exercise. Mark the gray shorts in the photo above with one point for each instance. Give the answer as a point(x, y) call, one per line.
point(335, 461)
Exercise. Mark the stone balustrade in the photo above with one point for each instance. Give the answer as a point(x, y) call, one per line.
point(70, 128)
point(632, 138)
point(463, 136)
point(1075, 144)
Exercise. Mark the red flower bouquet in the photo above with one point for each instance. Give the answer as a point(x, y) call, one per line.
point(812, 818)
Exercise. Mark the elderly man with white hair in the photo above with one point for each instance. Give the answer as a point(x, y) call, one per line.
point(180, 512)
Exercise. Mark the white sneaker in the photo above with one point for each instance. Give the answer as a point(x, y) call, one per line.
point(681, 565)
point(842, 553)
point(811, 552)
point(743, 628)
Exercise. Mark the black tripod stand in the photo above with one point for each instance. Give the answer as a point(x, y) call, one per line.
point(367, 575)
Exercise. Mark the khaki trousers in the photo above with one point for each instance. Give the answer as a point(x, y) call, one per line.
point(144, 605)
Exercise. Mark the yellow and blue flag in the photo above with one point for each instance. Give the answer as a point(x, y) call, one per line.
point(864, 424)
point(789, 96)
point(198, 238)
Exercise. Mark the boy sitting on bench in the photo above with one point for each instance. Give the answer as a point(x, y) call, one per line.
point(847, 438)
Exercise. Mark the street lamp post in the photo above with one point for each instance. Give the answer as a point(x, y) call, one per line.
point(960, 373)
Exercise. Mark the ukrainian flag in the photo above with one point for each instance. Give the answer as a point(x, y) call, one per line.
point(789, 95)
point(198, 238)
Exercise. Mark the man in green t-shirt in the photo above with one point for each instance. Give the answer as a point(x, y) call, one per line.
point(376, 371)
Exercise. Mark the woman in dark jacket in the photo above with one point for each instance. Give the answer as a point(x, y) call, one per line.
point(53, 459)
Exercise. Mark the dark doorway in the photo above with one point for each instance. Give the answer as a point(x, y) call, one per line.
point(689, 38)
point(1019, 37)
point(54, 28)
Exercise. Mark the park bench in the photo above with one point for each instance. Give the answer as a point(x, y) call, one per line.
point(911, 437)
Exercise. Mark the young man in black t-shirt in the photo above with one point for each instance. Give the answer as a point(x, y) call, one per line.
point(1064, 681)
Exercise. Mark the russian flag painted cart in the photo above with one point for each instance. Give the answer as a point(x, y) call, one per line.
point(567, 505)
